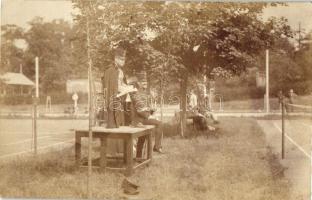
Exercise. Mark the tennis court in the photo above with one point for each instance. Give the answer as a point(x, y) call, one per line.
point(297, 146)
point(17, 138)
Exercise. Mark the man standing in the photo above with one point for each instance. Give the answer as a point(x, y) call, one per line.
point(75, 99)
point(113, 83)
point(193, 100)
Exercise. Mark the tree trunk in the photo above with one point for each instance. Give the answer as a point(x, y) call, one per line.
point(148, 81)
point(183, 94)
point(161, 100)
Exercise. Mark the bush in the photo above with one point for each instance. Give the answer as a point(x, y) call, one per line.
point(15, 100)
point(64, 98)
point(240, 93)
point(299, 87)
point(56, 98)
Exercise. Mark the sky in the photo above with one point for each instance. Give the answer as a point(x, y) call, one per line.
point(295, 13)
point(20, 12)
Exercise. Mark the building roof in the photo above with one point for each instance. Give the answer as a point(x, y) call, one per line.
point(11, 78)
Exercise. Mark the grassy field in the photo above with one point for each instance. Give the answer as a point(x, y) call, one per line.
point(235, 164)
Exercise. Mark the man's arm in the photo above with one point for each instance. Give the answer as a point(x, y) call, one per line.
point(140, 105)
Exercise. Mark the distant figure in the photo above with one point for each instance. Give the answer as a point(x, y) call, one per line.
point(202, 118)
point(280, 97)
point(291, 96)
point(75, 99)
point(193, 100)
point(48, 104)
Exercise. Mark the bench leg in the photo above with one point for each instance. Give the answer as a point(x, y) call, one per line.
point(129, 164)
point(77, 149)
point(149, 146)
point(103, 153)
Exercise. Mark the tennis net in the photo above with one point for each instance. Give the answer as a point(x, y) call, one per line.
point(296, 127)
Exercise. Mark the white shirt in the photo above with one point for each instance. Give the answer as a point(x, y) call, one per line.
point(193, 100)
point(121, 84)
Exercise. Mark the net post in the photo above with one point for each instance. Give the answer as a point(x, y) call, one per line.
point(283, 129)
point(311, 168)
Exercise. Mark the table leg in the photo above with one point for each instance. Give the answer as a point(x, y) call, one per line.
point(149, 145)
point(125, 151)
point(77, 148)
point(129, 167)
point(103, 152)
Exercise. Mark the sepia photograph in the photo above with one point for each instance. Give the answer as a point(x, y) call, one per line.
point(155, 100)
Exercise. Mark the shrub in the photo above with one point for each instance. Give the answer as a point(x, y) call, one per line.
point(15, 100)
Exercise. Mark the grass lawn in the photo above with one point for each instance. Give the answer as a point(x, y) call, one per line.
point(234, 165)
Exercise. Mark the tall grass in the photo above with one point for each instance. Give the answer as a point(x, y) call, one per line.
point(235, 165)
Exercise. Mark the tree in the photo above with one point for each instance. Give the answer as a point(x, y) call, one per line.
point(51, 42)
point(304, 56)
point(190, 38)
point(11, 54)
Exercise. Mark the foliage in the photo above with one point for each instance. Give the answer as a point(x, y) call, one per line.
point(169, 40)
point(50, 41)
point(228, 35)
point(303, 57)
point(11, 56)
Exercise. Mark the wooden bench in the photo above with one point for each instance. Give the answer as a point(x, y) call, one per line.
point(127, 134)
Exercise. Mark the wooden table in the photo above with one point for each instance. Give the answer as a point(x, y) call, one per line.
point(127, 134)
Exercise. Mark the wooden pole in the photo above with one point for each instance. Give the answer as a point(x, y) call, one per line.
point(37, 77)
point(89, 192)
point(36, 100)
point(183, 105)
point(267, 92)
point(283, 129)
point(161, 99)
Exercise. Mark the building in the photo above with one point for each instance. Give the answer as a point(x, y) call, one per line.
point(81, 86)
point(15, 84)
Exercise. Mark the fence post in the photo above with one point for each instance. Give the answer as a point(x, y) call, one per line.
point(283, 129)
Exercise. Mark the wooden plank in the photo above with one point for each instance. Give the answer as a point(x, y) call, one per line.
point(117, 169)
point(120, 130)
point(143, 163)
point(142, 133)
point(107, 168)
point(115, 135)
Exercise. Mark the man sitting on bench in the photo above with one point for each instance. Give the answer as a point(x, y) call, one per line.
point(141, 115)
point(201, 117)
